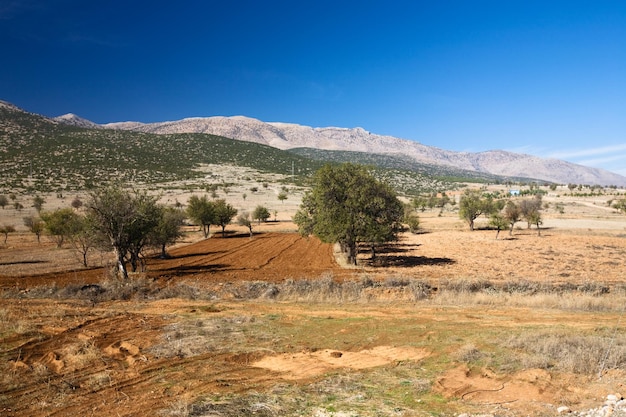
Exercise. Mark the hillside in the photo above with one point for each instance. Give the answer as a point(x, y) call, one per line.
point(68, 153)
point(288, 136)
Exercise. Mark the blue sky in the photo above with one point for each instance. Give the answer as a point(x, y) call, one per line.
point(546, 77)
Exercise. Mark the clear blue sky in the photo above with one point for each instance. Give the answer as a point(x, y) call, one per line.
point(541, 77)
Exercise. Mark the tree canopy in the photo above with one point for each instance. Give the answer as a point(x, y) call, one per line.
point(126, 219)
point(347, 205)
point(202, 212)
point(472, 205)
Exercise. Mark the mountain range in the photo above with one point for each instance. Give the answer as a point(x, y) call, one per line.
point(288, 136)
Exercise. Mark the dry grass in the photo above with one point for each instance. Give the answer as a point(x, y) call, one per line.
point(566, 352)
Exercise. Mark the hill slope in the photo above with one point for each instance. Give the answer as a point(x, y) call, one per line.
point(289, 136)
point(41, 154)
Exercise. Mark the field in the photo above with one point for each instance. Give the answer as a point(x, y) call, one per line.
point(442, 322)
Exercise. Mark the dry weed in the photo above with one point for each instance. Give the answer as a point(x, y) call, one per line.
point(581, 354)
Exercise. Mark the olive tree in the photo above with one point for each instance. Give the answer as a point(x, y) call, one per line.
point(529, 209)
point(168, 229)
point(498, 221)
point(60, 224)
point(35, 225)
point(473, 205)
point(512, 214)
point(261, 214)
point(5, 230)
point(125, 218)
point(244, 219)
point(347, 205)
point(224, 214)
point(202, 212)
point(84, 237)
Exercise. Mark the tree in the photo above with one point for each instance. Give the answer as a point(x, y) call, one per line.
point(282, 196)
point(147, 217)
point(512, 214)
point(261, 214)
point(473, 205)
point(244, 220)
point(60, 223)
point(35, 225)
point(4, 201)
point(224, 214)
point(124, 219)
point(620, 205)
point(84, 237)
point(411, 218)
point(529, 209)
point(347, 205)
point(535, 218)
point(168, 229)
point(202, 212)
point(38, 202)
point(5, 230)
point(420, 203)
point(499, 222)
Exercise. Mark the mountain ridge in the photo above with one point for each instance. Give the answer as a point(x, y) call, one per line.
point(289, 135)
point(286, 136)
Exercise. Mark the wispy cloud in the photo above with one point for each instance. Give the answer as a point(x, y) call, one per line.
point(588, 152)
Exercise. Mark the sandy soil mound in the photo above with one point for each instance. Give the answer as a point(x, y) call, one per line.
point(309, 364)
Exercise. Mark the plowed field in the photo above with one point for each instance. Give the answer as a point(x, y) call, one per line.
point(266, 256)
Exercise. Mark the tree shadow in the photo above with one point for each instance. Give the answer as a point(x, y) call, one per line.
point(409, 261)
point(192, 269)
point(189, 255)
point(22, 262)
point(390, 248)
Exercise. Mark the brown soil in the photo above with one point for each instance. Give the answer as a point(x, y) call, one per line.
point(74, 358)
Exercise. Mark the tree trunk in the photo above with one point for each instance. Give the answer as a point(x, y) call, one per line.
point(497, 233)
point(351, 253)
point(373, 252)
point(121, 265)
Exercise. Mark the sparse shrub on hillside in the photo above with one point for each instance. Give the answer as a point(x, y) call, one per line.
point(38, 202)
